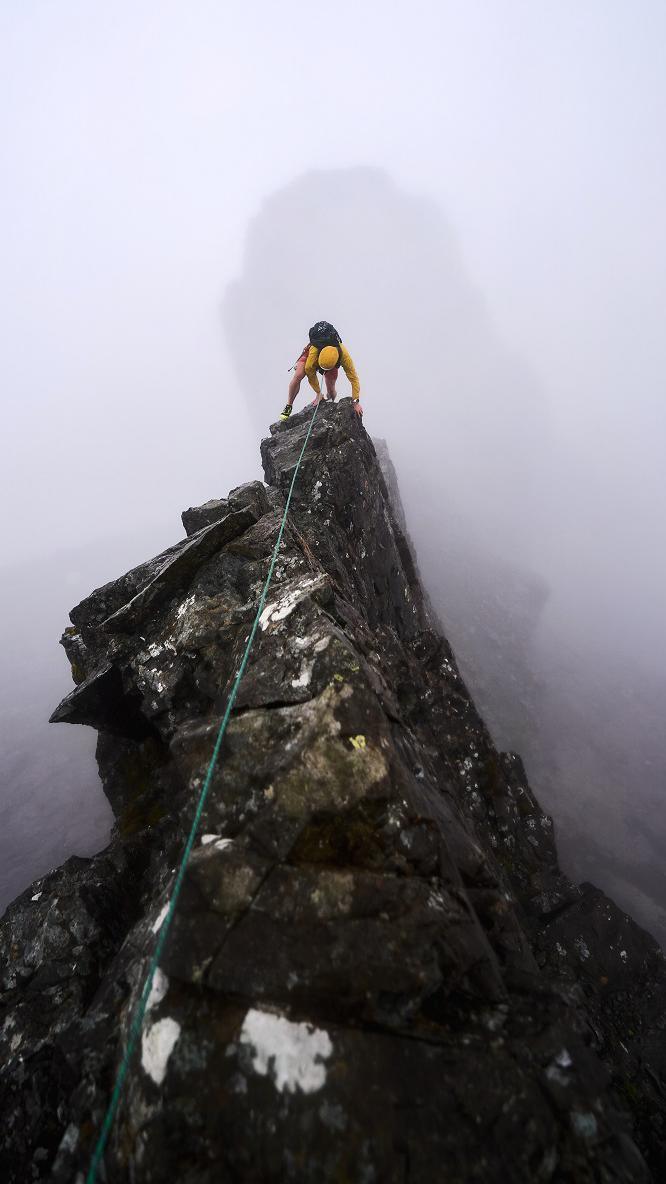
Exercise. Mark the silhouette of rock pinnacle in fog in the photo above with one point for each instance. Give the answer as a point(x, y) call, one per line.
point(384, 267)
point(376, 964)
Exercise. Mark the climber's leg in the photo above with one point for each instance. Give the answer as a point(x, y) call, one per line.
point(295, 384)
point(330, 377)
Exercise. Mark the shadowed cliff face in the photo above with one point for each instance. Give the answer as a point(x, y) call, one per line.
point(377, 970)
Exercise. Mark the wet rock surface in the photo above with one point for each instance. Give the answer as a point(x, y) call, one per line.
point(377, 971)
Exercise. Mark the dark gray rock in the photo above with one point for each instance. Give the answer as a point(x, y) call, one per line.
point(376, 970)
point(197, 517)
point(252, 495)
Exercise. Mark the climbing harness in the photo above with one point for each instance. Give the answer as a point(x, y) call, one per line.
point(139, 1015)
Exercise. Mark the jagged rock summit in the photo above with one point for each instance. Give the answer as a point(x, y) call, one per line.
point(377, 972)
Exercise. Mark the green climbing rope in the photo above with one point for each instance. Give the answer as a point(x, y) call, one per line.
point(139, 1015)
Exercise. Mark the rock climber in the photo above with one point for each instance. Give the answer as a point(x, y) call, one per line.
point(324, 354)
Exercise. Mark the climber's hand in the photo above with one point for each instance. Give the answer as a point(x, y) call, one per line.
point(357, 408)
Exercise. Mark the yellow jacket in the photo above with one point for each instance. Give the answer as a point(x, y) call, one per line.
point(345, 362)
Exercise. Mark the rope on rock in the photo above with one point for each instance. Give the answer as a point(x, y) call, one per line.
point(139, 1015)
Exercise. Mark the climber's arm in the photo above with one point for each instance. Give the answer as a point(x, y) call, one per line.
point(311, 368)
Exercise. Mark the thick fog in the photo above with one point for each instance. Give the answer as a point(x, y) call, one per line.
point(474, 195)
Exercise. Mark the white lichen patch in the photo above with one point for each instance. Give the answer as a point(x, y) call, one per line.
point(183, 608)
point(495, 1019)
point(158, 989)
point(153, 680)
point(156, 649)
point(436, 901)
point(292, 1054)
point(304, 677)
point(395, 818)
point(280, 609)
point(157, 1045)
point(70, 1139)
point(36, 896)
point(159, 920)
point(557, 1069)
point(206, 839)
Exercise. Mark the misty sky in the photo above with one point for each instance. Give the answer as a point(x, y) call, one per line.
point(139, 141)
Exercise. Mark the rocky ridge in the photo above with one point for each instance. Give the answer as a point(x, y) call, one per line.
point(377, 971)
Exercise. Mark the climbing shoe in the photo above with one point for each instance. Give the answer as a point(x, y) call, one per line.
point(286, 413)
